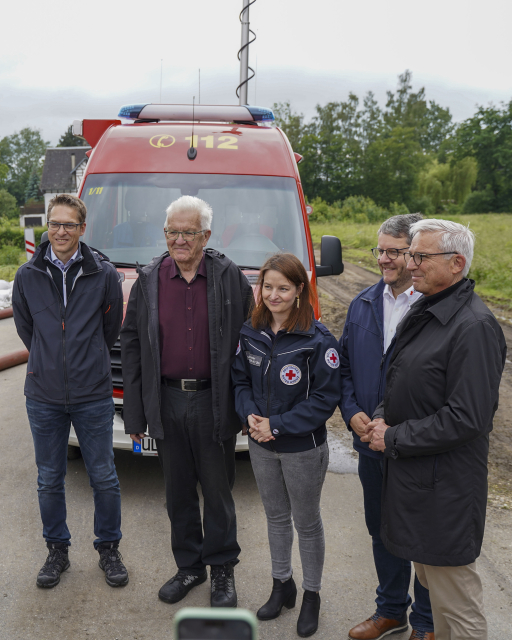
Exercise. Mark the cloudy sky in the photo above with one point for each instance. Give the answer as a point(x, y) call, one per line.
point(64, 60)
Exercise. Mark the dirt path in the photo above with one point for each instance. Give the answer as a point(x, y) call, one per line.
point(336, 294)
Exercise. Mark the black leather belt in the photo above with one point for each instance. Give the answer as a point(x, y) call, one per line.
point(188, 385)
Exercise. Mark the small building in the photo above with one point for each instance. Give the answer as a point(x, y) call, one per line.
point(63, 171)
point(33, 215)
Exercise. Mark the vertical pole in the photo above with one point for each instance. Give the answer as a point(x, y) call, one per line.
point(161, 67)
point(244, 54)
point(30, 243)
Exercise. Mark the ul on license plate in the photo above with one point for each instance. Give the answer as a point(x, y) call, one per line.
point(147, 447)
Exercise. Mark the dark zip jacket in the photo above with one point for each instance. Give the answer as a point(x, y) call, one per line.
point(293, 379)
point(69, 361)
point(442, 392)
point(363, 364)
point(229, 300)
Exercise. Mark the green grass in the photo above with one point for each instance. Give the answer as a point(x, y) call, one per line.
point(492, 263)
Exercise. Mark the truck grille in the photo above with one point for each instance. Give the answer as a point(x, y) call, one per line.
point(115, 359)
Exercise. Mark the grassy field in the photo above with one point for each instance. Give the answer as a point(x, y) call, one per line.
point(492, 263)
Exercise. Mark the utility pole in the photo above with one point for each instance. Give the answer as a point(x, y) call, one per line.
point(244, 52)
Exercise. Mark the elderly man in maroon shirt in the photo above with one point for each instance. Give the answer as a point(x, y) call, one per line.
point(178, 342)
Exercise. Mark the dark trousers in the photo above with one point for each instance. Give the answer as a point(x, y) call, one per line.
point(394, 573)
point(188, 455)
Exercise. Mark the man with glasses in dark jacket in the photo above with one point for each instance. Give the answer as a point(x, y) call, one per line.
point(366, 347)
point(68, 308)
point(433, 427)
point(178, 343)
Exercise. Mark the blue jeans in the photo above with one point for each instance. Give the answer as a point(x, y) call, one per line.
point(50, 424)
point(394, 573)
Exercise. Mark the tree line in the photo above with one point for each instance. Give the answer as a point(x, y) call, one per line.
point(21, 165)
point(359, 158)
point(408, 155)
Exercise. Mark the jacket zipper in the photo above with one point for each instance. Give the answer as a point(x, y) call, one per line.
point(142, 280)
point(269, 369)
point(383, 358)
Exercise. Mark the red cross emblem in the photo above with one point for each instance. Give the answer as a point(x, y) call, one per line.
point(290, 374)
point(332, 358)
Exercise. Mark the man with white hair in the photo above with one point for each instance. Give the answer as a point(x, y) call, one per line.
point(178, 343)
point(433, 427)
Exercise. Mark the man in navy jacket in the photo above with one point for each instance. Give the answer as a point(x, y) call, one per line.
point(365, 350)
point(68, 308)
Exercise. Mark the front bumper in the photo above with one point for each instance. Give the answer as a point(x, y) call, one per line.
point(122, 440)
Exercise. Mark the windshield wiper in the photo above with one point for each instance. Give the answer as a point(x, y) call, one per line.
point(125, 265)
point(241, 266)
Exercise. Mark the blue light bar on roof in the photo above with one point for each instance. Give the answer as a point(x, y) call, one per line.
point(260, 114)
point(131, 111)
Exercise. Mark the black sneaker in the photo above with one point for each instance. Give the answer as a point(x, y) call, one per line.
point(179, 585)
point(56, 562)
point(223, 586)
point(111, 561)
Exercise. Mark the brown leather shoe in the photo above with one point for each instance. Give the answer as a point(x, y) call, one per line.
point(377, 627)
point(422, 635)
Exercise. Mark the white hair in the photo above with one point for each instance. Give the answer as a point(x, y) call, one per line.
point(455, 237)
point(192, 205)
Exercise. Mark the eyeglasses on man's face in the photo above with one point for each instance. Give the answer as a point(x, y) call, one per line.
point(68, 226)
point(418, 257)
point(188, 236)
point(392, 254)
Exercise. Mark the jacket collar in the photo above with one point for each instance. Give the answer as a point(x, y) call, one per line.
point(446, 308)
point(261, 334)
point(219, 260)
point(91, 259)
point(374, 292)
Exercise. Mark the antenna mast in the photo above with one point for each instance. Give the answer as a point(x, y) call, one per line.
point(243, 53)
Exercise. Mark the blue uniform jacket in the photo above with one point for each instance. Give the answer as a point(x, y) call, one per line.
point(363, 364)
point(293, 379)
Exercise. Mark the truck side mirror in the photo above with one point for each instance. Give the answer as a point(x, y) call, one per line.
point(331, 263)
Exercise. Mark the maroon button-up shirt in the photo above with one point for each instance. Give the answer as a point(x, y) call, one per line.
point(183, 319)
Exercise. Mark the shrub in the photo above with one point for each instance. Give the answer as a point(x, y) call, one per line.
point(9, 255)
point(396, 209)
point(323, 212)
point(13, 235)
point(423, 205)
point(479, 201)
point(8, 207)
point(362, 210)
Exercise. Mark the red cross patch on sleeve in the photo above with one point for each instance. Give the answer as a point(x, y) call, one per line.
point(332, 358)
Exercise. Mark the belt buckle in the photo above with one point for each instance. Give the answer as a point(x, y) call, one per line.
point(183, 384)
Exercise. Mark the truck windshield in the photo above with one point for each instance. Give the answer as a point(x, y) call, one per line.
point(253, 216)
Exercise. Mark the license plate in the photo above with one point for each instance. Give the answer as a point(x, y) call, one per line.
point(147, 447)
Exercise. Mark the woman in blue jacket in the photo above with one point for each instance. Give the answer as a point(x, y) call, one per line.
point(287, 384)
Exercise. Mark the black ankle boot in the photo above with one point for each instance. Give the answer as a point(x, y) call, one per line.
point(283, 594)
point(307, 624)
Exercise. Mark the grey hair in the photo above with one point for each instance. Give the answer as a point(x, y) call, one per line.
point(194, 205)
point(400, 226)
point(456, 237)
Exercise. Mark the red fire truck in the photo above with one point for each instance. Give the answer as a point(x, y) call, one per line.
point(233, 157)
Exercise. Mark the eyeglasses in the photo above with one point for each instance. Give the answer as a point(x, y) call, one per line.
point(392, 254)
point(68, 226)
point(188, 236)
point(418, 257)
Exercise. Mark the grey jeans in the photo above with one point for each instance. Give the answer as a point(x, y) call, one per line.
point(290, 485)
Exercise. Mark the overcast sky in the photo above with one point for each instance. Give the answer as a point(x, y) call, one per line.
point(62, 60)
